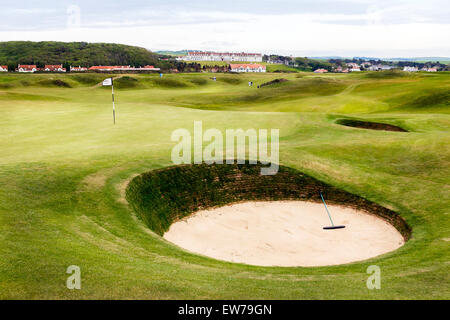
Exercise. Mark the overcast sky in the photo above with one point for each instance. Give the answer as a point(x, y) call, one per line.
point(382, 28)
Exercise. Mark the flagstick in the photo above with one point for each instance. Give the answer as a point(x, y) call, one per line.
point(114, 107)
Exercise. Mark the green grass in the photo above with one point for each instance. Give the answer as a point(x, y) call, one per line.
point(279, 68)
point(64, 168)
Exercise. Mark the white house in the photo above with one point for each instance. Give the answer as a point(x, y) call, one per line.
point(54, 68)
point(247, 68)
point(27, 68)
point(433, 69)
point(148, 68)
point(410, 69)
point(222, 56)
point(3, 68)
point(352, 65)
point(78, 69)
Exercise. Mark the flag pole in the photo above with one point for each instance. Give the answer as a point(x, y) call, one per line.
point(114, 107)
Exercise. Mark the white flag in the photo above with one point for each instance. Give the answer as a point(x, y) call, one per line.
point(107, 82)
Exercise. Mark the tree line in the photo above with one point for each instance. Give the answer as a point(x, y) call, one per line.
point(82, 54)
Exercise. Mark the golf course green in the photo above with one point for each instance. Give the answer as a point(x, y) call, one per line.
point(65, 168)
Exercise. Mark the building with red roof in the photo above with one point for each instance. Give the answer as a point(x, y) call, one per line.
point(27, 68)
point(54, 68)
point(78, 69)
point(123, 68)
point(107, 68)
point(3, 68)
point(247, 68)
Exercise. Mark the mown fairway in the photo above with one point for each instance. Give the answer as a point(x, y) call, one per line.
point(64, 168)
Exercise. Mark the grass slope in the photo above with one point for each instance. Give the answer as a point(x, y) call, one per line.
point(64, 168)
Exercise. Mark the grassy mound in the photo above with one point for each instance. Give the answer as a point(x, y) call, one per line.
point(430, 98)
point(161, 197)
point(369, 125)
point(42, 80)
point(273, 82)
point(198, 81)
point(54, 83)
point(126, 82)
point(170, 83)
point(87, 79)
point(389, 74)
point(234, 80)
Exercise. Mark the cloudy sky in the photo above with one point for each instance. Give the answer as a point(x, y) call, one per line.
point(381, 28)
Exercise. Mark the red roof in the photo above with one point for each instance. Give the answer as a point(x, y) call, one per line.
point(102, 67)
point(53, 66)
point(245, 65)
point(109, 67)
point(4, 67)
point(27, 66)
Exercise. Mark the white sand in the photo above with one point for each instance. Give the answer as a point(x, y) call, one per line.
point(284, 233)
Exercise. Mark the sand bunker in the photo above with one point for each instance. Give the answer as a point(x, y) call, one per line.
point(284, 233)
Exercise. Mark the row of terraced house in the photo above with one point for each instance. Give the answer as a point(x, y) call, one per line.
point(31, 68)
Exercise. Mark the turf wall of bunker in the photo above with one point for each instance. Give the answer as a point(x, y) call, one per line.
point(369, 125)
point(161, 197)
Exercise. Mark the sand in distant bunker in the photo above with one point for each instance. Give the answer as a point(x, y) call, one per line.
point(284, 233)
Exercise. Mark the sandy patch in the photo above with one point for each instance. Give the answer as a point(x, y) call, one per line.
point(284, 233)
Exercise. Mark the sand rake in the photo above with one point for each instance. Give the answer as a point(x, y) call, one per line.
point(332, 227)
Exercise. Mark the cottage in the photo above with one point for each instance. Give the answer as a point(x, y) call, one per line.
point(54, 68)
point(433, 69)
point(320, 71)
point(78, 69)
point(222, 56)
point(339, 69)
point(105, 68)
point(352, 65)
point(123, 68)
point(148, 68)
point(3, 68)
point(247, 68)
point(27, 68)
point(378, 67)
point(410, 69)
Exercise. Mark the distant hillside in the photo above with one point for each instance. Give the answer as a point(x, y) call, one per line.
point(420, 59)
point(174, 53)
point(415, 59)
point(73, 53)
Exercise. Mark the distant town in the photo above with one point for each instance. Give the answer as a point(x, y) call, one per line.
point(242, 62)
